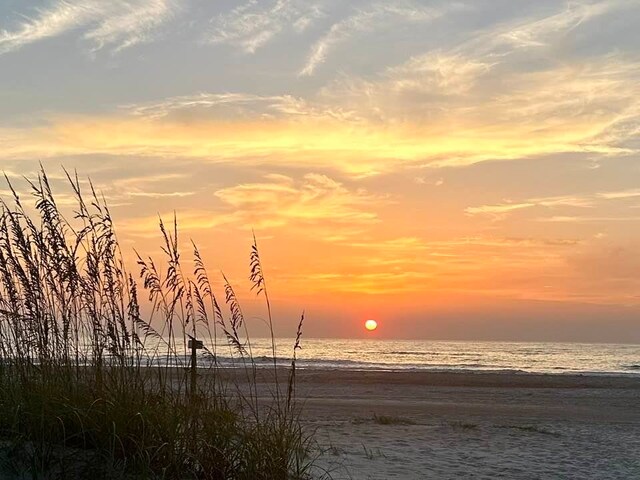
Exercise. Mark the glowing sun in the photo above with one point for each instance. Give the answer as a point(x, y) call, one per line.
point(370, 325)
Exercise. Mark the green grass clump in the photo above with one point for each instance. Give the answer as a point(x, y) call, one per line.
point(92, 387)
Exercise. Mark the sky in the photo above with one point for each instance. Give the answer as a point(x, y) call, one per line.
point(453, 169)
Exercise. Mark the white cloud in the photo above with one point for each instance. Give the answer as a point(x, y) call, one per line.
point(48, 23)
point(539, 33)
point(465, 101)
point(574, 219)
point(116, 24)
point(438, 72)
point(500, 210)
point(377, 16)
point(621, 194)
point(130, 23)
point(252, 25)
point(237, 105)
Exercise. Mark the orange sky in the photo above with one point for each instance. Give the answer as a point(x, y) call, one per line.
point(461, 170)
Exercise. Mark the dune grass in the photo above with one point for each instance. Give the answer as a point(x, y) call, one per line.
point(92, 387)
point(392, 420)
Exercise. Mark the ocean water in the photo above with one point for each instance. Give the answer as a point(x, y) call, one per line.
point(557, 358)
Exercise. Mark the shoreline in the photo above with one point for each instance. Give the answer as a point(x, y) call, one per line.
point(476, 378)
point(301, 366)
point(502, 379)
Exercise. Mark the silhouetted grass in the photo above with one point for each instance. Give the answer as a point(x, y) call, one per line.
point(92, 387)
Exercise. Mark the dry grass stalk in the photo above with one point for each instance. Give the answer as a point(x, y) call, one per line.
point(88, 382)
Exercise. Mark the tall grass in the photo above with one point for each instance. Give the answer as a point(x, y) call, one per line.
point(89, 385)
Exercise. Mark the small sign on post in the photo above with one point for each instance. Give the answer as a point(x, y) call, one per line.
point(195, 344)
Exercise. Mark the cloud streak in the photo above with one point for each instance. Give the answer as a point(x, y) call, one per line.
point(116, 24)
point(315, 199)
point(499, 211)
point(233, 106)
point(253, 24)
point(376, 16)
point(311, 205)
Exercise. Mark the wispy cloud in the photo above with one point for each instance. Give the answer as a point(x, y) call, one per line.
point(621, 194)
point(569, 203)
point(378, 15)
point(313, 205)
point(315, 198)
point(438, 72)
point(568, 102)
point(233, 106)
point(454, 105)
point(587, 219)
point(385, 264)
point(116, 24)
point(552, 86)
point(254, 24)
point(130, 23)
point(541, 32)
point(500, 210)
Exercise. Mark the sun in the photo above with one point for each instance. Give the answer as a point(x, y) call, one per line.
point(370, 325)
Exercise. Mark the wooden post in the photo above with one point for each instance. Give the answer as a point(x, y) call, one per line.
point(194, 345)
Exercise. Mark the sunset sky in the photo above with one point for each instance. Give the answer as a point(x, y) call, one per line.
point(458, 170)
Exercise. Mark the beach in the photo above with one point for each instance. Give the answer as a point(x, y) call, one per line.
point(417, 425)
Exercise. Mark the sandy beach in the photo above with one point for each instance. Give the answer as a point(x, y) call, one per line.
point(418, 425)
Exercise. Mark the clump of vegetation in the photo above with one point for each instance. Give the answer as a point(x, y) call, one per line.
point(532, 429)
point(464, 425)
point(392, 420)
point(384, 420)
point(371, 454)
point(92, 386)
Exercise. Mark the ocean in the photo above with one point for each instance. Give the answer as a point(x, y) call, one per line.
point(390, 355)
